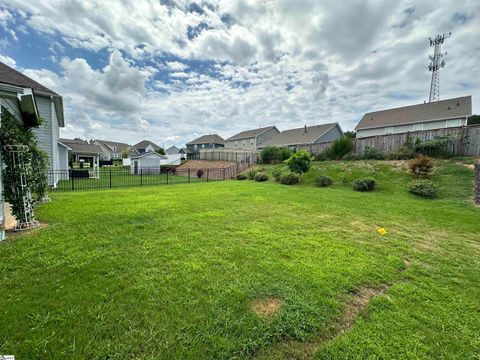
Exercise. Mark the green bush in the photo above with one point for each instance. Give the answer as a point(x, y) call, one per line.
point(323, 181)
point(370, 153)
point(421, 166)
point(339, 148)
point(290, 179)
point(434, 147)
point(251, 174)
point(260, 177)
point(274, 155)
point(366, 184)
point(403, 153)
point(277, 174)
point(424, 188)
point(241, 177)
point(299, 162)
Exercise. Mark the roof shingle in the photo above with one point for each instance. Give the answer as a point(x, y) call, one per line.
point(249, 133)
point(207, 139)
point(11, 76)
point(298, 136)
point(444, 109)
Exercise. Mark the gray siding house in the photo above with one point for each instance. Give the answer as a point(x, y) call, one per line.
point(29, 102)
point(251, 139)
point(429, 116)
point(212, 141)
point(307, 135)
point(112, 150)
point(145, 146)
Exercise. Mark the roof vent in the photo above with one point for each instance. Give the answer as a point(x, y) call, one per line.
point(448, 108)
point(305, 129)
point(458, 104)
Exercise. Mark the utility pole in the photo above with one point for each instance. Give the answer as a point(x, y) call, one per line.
point(436, 63)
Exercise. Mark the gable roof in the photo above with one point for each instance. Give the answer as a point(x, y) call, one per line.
point(207, 139)
point(13, 77)
point(250, 133)
point(437, 110)
point(148, 154)
point(303, 135)
point(144, 143)
point(172, 150)
point(81, 146)
point(111, 145)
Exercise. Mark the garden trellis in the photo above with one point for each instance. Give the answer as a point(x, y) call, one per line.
point(20, 160)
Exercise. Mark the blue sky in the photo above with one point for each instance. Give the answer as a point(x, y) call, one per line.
point(170, 71)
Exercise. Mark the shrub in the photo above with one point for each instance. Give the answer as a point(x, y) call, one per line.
point(199, 173)
point(421, 166)
point(339, 148)
point(261, 176)
point(251, 174)
point(290, 179)
point(323, 181)
point(370, 153)
point(434, 147)
point(241, 177)
point(299, 162)
point(367, 184)
point(274, 155)
point(425, 188)
point(277, 174)
point(403, 153)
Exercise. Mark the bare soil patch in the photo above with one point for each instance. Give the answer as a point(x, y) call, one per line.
point(204, 164)
point(266, 307)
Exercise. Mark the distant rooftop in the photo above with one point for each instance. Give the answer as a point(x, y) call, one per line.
point(250, 133)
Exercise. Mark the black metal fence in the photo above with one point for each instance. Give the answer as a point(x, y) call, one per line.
point(112, 177)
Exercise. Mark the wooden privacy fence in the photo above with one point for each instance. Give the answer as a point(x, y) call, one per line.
point(225, 154)
point(315, 149)
point(465, 140)
point(476, 194)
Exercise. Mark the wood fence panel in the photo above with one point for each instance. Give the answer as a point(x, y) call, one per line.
point(466, 140)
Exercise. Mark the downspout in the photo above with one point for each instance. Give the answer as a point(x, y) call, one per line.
point(2, 204)
point(54, 141)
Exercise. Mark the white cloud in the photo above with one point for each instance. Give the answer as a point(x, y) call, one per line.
point(8, 61)
point(284, 62)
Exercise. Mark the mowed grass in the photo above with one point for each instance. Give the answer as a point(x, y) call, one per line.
point(167, 272)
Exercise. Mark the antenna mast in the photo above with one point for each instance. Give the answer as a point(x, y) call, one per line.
point(436, 63)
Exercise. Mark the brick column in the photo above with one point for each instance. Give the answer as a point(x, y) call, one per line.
point(476, 195)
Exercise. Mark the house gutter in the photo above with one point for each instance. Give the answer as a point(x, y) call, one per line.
point(413, 123)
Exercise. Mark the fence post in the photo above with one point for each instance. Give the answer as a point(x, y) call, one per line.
point(188, 175)
point(223, 173)
point(110, 178)
point(476, 196)
point(73, 180)
point(141, 177)
point(167, 176)
point(208, 171)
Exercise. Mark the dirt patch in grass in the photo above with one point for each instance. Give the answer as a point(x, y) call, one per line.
point(204, 164)
point(361, 298)
point(267, 307)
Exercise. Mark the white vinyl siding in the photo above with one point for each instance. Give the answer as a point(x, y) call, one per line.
point(418, 127)
point(454, 123)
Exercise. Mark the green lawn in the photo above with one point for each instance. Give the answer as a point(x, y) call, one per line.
point(172, 271)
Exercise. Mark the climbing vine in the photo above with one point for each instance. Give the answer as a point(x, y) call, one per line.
point(13, 132)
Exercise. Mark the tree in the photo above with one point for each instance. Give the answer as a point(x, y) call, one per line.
point(160, 151)
point(299, 162)
point(350, 134)
point(125, 153)
point(473, 119)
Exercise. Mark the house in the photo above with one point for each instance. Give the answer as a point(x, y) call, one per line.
point(80, 151)
point(30, 102)
point(307, 135)
point(173, 150)
point(212, 141)
point(145, 146)
point(112, 150)
point(428, 116)
point(251, 139)
point(146, 163)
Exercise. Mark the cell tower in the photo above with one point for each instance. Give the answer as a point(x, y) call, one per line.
point(436, 63)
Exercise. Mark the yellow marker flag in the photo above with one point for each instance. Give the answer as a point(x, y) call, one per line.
point(382, 231)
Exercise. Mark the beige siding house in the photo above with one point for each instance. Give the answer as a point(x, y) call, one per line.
point(429, 116)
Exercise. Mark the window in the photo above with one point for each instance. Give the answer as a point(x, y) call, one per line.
point(203, 146)
point(417, 127)
point(252, 141)
point(453, 123)
point(195, 147)
point(389, 130)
